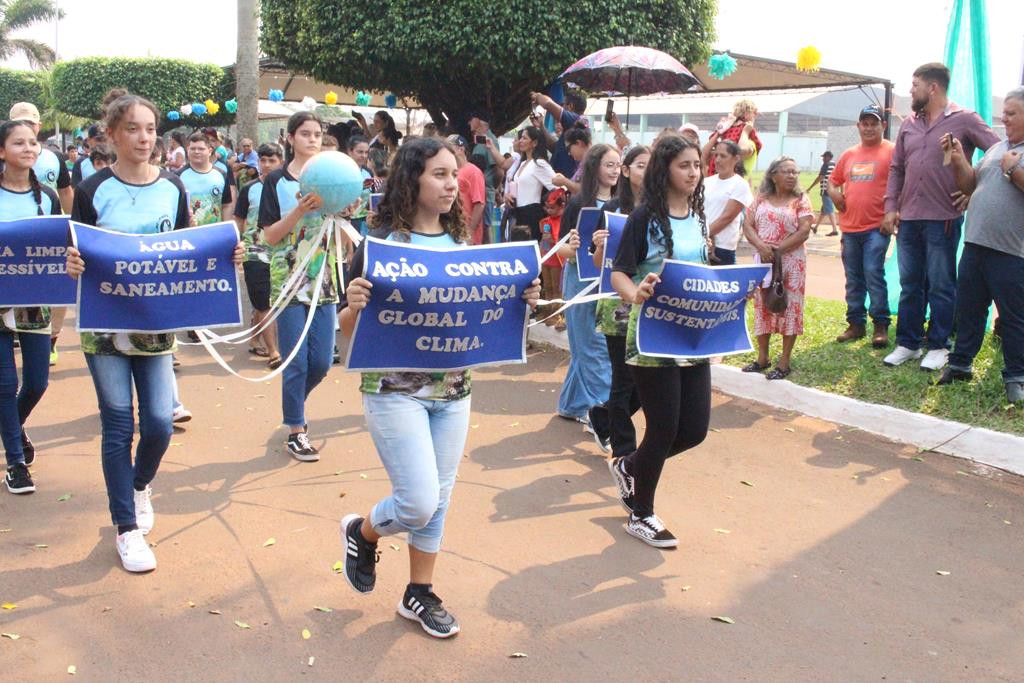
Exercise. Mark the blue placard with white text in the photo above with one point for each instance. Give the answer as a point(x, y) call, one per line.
point(33, 262)
point(435, 310)
point(616, 224)
point(164, 282)
point(586, 224)
point(698, 311)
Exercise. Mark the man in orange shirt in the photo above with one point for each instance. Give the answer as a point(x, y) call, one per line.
point(857, 188)
point(472, 189)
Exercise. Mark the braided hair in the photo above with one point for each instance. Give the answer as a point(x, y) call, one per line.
point(656, 177)
point(33, 182)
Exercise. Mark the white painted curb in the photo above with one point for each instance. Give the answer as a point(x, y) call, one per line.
point(959, 440)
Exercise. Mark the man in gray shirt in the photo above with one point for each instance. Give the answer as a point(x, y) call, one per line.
point(992, 265)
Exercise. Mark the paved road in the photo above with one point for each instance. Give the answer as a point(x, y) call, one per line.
point(827, 562)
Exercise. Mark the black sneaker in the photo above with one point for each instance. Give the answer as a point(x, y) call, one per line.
point(651, 531)
point(298, 447)
point(600, 427)
point(28, 448)
point(18, 479)
point(426, 608)
point(623, 482)
point(361, 556)
point(950, 375)
point(336, 359)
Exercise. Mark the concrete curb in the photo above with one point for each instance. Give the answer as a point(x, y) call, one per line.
point(959, 440)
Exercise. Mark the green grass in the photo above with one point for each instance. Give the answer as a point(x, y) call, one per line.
point(855, 369)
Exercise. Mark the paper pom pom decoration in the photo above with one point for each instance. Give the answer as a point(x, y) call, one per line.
point(173, 116)
point(808, 59)
point(211, 107)
point(363, 99)
point(390, 101)
point(276, 95)
point(308, 103)
point(186, 110)
point(231, 105)
point(721, 65)
point(198, 109)
point(331, 98)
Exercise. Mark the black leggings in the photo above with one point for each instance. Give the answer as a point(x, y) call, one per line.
point(623, 400)
point(677, 407)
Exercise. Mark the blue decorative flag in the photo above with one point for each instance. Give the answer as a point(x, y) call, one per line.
point(698, 311)
point(164, 282)
point(616, 224)
point(586, 224)
point(443, 309)
point(33, 262)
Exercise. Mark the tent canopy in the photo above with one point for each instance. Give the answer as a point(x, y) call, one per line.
point(758, 73)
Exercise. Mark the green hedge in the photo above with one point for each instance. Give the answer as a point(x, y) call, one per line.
point(79, 86)
point(18, 86)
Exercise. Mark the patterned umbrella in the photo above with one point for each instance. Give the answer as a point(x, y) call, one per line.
point(630, 70)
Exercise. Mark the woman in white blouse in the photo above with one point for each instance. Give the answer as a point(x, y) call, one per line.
point(533, 176)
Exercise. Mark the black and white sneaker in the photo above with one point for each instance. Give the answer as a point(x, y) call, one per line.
point(28, 448)
point(18, 479)
point(426, 608)
point(298, 447)
point(651, 531)
point(361, 556)
point(623, 482)
point(600, 427)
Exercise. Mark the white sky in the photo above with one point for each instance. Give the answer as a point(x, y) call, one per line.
point(885, 38)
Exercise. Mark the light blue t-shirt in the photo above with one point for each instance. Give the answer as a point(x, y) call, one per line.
point(106, 201)
point(51, 170)
point(207, 194)
point(15, 205)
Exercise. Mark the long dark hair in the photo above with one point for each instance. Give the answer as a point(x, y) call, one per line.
point(295, 122)
point(656, 184)
point(390, 130)
point(591, 172)
point(540, 150)
point(398, 206)
point(624, 189)
point(33, 182)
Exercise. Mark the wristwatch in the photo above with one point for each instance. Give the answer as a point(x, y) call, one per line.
point(1008, 174)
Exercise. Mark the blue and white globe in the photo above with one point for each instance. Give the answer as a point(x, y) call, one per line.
point(334, 177)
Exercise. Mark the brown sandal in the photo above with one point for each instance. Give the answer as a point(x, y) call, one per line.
point(275, 362)
point(755, 367)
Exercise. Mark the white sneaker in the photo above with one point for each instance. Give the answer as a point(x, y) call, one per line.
point(136, 555)
point(144, 510)
point(935, 359)
point(181, 414)
point(900, 356)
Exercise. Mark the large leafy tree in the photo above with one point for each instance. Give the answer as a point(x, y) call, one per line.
point(19, 14)
point(459, 55)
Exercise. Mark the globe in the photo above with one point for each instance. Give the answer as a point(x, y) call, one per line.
point(334, 177)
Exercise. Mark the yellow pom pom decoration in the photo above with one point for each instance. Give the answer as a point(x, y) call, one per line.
point(211, 107)
point(808, 59)
point(331, 98)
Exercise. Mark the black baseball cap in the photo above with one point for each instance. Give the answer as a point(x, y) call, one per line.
point(871, 110)
point(458, 140)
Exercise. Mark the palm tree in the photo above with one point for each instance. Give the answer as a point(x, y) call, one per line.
point(18, 14)
point(50, 117)
point(247, 75)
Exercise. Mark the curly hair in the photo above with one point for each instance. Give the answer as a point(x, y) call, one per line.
point(656, 185)
point(398, 206)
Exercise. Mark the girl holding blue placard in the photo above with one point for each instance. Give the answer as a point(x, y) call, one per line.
point(22, 196)
point(675, 393)
point(291, 225)
point(418, 420)
point(588, 378)
point(135, 197)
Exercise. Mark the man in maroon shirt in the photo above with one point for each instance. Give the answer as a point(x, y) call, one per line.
point(919, 200)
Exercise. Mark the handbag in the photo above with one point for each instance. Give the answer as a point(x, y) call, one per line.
point(774, 296)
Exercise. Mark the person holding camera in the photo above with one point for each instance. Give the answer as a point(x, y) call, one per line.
point(569, 115)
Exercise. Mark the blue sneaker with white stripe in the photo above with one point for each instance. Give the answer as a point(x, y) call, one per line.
point(425, 607)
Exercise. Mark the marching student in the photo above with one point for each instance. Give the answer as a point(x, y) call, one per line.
point(418, 421)
point(675, 393)
point(135, 197)
point(257, 256)
point(209, 193)
point(290, 227)
point(588, 378)
point(613, 422)
point(22, 196)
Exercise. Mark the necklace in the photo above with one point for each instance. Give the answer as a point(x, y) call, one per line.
point(133, 196)
point(125, 184)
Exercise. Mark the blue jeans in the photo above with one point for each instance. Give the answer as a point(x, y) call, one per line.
point(311, 363)
point(15, 405)
point(987, 275)
point(926, 251)
point(864, 263)
point(153, 377)
point(420, 443)
point(589, 377)
point(726, 257)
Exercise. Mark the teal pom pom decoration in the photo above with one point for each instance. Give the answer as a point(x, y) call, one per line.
point(363, 99)
point(276, 95)
point(231, 105)
point(721, 65)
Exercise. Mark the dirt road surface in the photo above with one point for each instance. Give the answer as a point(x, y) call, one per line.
point(828, 549)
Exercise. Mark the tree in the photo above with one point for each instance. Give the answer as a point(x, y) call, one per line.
point(460, 55)
point(247, 70)
point(51, 117)
point(19, 14)
point(17, 86)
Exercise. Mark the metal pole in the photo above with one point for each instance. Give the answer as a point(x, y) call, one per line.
point(56, 54)
point(888, 111)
